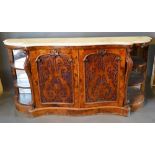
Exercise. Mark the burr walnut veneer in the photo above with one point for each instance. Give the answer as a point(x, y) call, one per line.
point(78, 76)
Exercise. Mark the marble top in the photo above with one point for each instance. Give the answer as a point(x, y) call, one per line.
point(29, 42)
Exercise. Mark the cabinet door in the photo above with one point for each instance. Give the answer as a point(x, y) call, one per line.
point(54, 73)
point(102, 74)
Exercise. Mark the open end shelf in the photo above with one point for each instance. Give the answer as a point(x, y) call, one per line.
point(22, 83)
point(136, 78)
point(19, 64)
point(22, 80)
point(25, 99)
point(138, 62)
point(135, 98)
point(24, 102)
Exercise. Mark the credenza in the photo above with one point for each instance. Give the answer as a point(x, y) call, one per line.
point(79, 76)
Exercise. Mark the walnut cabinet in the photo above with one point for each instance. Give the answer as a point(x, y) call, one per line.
point(78, 76)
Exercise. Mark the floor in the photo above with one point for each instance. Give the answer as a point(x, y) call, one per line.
point(8, 114)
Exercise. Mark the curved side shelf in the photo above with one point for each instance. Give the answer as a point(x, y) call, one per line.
point(16, 67)
point(24, 103)
point(19, 63)
point(138, 62)
point(136, 79)
point(135, 98)
point(22, 84)
point(25, 99)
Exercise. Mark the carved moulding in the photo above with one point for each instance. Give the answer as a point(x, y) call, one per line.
point(129, 66)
